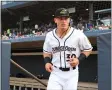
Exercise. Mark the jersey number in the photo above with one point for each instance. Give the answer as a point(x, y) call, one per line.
point(70, 56)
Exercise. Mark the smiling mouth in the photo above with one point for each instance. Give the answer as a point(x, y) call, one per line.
point(63, 25)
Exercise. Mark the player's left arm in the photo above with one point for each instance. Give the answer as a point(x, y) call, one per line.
point(87, 53)
point(77, 60)
point(86, 49)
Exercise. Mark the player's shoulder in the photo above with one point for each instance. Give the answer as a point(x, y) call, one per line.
point(76, 31)
point(50, 33)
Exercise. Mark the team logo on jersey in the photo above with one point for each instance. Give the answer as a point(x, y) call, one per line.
point(63, 48)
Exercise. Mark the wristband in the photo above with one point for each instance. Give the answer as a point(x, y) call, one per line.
point(47, 60)
point(82, 57)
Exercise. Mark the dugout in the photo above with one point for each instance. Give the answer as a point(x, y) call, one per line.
point(28, 53)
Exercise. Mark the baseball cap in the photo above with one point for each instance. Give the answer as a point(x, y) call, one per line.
point(62, 12)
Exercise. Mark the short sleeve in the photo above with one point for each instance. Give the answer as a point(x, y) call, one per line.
point(84, 43)
point(46, 47)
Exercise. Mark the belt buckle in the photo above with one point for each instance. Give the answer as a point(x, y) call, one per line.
point(74, 68)
point(64, 69)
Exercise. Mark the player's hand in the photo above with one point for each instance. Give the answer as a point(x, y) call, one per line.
point(48, 67)
point(73, 62)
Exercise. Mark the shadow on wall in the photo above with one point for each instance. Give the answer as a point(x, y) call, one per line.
point(88, 69)
point(34, 64)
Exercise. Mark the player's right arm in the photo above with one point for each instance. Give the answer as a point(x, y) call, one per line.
point(47, 52)
point(47, 60)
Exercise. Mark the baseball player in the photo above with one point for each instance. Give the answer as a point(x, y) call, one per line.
point(64, 48)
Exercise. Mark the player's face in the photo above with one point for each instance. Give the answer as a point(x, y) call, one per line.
point(62, 22)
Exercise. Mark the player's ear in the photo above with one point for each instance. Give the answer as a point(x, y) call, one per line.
point(55, 20)
point(69, 21)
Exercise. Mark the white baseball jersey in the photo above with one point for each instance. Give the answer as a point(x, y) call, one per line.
point(62, 49)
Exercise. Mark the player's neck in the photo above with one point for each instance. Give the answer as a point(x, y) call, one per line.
point(61, 30)
point(61, 33)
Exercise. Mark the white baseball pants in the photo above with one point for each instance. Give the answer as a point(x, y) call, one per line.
point(63, 80)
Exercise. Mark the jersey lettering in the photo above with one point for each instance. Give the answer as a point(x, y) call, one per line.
point(63, 48)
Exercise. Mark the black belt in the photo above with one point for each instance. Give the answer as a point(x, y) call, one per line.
point(65, 69)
